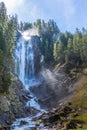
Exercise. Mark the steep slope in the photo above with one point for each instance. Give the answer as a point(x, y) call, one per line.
point(79, 100)
point(12, 104)
point(72, 115)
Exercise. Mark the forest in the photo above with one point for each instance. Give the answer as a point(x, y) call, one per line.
point(59, 47)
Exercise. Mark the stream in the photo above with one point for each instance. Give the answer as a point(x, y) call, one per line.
point(31, 122)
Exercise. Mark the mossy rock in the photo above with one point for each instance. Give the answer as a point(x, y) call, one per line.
point(4, 104)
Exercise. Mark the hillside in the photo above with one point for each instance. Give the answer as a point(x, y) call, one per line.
point(79, 100)
point(72, 115)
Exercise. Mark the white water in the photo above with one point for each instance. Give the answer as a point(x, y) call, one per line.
point(30, 123)
point(25, 69)
point(24, 58)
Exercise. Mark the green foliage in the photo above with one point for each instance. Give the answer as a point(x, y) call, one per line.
point(79, 100)
point(55, 45)
point(24, 26)
point(48, 35)
point(62, 47)
point(61, 52)
point(55, 52)
point(69, 51)
point(7, 37)
point(71, 48)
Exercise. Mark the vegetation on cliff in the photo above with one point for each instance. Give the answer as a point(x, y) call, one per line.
point(59, 47)
point(7, 38)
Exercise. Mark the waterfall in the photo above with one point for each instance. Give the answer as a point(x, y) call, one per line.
point(24, 60)
point(25, 54)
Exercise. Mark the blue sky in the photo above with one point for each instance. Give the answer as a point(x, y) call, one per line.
point(68, 14)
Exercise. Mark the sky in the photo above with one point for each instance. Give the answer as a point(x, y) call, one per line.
point(68, 14)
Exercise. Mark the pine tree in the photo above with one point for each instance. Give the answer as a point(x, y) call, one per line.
point(69, 52)
point(84, 47)
point(7, 38)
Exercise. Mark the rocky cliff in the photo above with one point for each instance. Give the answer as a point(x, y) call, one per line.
point(12, 104)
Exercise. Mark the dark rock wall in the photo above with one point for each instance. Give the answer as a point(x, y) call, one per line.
point(37, 54)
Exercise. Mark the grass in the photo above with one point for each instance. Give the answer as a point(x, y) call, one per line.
point(79, 101)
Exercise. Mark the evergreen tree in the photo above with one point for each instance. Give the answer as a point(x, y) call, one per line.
point(7, 38)
point(61, 53)
point(69, 52)
point(84, 47)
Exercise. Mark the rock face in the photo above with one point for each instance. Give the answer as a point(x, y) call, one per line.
point(12, 104)
point(37, 55)
point(53, 89)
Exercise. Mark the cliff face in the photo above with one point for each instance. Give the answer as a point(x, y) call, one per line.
point(37, 54)
point(68, 115)
point(12, 104)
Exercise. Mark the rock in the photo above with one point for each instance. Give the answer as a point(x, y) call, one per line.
point(37, 54)
point(71, 125)
point(54, 110)
point(69, 103)
point(67, 109)
point(62, 114)
point(51, 119)
point(25, 97)
point(12, 104)
point(64, 128)
point(27, 109)
point(4, 104)
point(79, 125)
point(23, 122)
point(54, 118)
point(33, 128)
point(69, 117)
point(75, 114)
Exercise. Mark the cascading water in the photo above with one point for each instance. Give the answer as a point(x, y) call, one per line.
point(24, 60)
point(25, 70)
